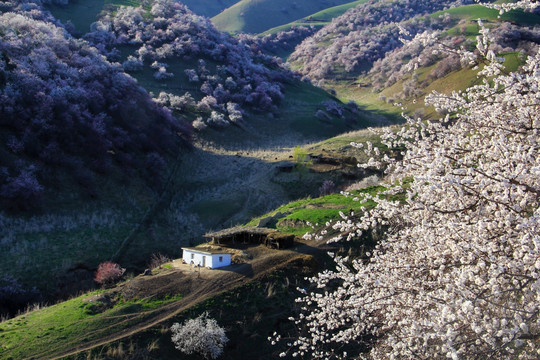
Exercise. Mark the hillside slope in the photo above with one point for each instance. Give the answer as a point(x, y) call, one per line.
point(64, 108)
point(145, 302)
point(362, 35)
point(208, 8)
point(406, 75)
point(257, 16)
point(83, 13)
point(262, 284)
point(318, 19)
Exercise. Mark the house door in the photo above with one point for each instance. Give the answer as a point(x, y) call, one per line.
point(203, 261)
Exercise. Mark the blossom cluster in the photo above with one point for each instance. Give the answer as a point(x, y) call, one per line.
point(201, 335)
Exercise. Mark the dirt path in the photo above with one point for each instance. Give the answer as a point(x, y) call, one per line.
point(196, 286)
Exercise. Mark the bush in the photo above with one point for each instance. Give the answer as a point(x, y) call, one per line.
point(108, 273)
point(157, 260)
point(328, 187)
point(202, 335)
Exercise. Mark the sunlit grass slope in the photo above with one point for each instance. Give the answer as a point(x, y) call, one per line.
point(318, 19)
point(256, 16)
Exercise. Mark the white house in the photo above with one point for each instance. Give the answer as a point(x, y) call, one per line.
point(209, 258)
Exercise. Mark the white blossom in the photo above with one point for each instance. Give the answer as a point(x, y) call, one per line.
point(456, 273)
point(201, 335)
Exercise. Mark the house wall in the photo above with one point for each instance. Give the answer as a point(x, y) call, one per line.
point(211, 261)
point(215, 263)
point(190, 257)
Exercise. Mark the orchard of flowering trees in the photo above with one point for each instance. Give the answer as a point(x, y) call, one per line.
point(63, 105)
point(275, 43)
point(364, 34)
point(456, 274)
point(505, 38)
point(244, 79)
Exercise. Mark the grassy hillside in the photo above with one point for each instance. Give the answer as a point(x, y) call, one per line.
point(83, 13)
point(147, 303)
point(318, 19)
point(208, 8)
point(256, 16)
point(463, 24)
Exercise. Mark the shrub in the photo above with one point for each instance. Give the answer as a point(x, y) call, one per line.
point(157, 260)
point(24, 191)
point(108, 273)
point(328, 187)
point(202, 335)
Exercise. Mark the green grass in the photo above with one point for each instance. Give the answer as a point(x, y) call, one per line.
point(257, 16)
point(341, 144)
point(217, 211)
point(318, 211)
point(208, 8)
point(47, 331)
point(41, 254)
point(299, 106)
point(490, 17)
point(481, 12)
point(82, 13)
point(318, 19)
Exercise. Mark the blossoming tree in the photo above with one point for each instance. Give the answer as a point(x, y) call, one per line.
point(457, 272)
point(201, 335)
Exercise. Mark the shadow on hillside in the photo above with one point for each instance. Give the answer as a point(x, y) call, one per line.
point(244, 269)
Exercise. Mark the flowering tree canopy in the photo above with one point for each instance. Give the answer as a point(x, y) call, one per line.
point(62, 104)
point(170, 32)
point(457, 272)
point(201, 335)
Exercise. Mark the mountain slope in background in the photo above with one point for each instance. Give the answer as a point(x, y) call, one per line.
point(257, 16)
point(363, 34)
point(84, 13)
point(208, 8)
point(406, 74)
point(318, 19)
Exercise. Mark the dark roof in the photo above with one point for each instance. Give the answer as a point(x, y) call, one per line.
point(239, 230)
point(207, 250)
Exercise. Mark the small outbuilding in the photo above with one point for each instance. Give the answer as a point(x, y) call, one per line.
point(277, 240)
point(209, 258)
